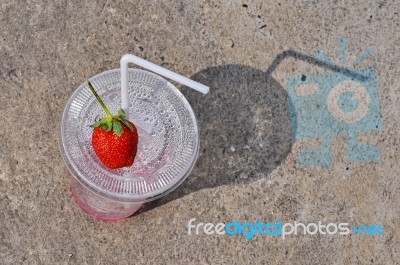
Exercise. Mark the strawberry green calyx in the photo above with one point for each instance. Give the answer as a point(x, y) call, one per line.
point(110, 122)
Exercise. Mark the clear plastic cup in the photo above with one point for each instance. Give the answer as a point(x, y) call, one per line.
point(167, 151)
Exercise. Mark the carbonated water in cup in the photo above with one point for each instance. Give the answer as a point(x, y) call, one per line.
point(167, 151)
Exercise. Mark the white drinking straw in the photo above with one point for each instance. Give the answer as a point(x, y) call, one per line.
point(129, 58)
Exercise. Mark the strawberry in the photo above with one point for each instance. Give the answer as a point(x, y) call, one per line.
point(114, 138)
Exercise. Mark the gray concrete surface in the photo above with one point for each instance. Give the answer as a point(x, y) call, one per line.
point(248, 168)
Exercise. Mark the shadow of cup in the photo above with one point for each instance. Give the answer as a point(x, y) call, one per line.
point(244, 125)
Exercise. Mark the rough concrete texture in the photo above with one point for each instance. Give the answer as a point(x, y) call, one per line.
point(248, 166)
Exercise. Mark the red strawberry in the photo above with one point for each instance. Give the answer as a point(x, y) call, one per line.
point(114, 138)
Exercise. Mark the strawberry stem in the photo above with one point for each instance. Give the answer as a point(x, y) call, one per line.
point(109, 115)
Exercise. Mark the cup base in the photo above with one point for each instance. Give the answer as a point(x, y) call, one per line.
point(100, 208)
